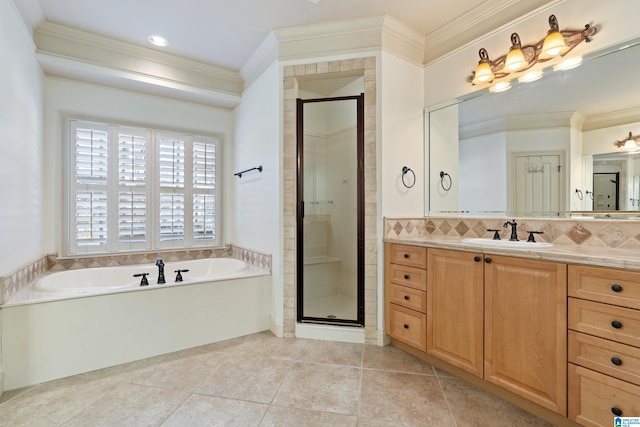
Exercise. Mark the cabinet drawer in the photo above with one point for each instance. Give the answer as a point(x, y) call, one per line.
point(411, 256)
point(608, 357)
point(408, 276)
point(408, 326)
point(605, 321)
point(606, 285)
point(408, 297)
point(593, 397)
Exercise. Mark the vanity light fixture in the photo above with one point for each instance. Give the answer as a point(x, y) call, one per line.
point(556, 44)
point(568, 64)
point(629, 142)
point(157, 40)
point(531, 76)
point(500, 87)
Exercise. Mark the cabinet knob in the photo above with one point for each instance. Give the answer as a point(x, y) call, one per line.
point(406, 297)
point(616, 324)
point(406, 255)
point(616, 288)
point(616, 361)
point(487, 260)
point(476, 258)
point(406, 277)
point(616, 411)
point(406, 326)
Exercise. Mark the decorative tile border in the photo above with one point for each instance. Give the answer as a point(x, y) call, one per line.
point(605, 233)
point(13, 282)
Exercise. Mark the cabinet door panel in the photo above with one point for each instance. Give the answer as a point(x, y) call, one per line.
point(526, 329)
point(455, 314)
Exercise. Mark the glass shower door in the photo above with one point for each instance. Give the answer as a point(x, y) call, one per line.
point(329, 224)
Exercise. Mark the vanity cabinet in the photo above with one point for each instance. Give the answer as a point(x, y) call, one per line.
point(604, 344)
point(502, 319)
point(405, 294)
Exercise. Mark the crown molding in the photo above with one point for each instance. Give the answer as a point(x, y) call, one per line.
point(57, 44)
point(518, 123)
point(479, 22)
point(610, 119)
point(261, 59)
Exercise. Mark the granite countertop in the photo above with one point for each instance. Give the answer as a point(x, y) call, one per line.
point(628, 259)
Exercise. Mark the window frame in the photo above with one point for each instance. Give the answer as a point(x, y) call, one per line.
point(151, 189)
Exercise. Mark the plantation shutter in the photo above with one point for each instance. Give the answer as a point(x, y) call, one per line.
point(172, 181)
point(204, 186)
point(132, 187)
point(89, 187)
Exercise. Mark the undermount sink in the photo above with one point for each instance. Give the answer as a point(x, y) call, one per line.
point(520, 244)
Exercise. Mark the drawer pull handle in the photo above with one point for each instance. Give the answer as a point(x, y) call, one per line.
point(406, 326)
point(406, 297)
point(616, 361)
point(617, 412)
point(616, 288)
point(406, 277)
point(406, 256)
point(616, 324)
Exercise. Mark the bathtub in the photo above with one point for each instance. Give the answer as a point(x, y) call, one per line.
point(76, 321)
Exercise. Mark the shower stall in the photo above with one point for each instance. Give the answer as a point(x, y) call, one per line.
point(330, 234)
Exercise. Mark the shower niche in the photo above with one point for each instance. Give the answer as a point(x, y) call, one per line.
point(330, 202)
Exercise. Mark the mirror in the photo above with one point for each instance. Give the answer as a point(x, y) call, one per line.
point(533, 150)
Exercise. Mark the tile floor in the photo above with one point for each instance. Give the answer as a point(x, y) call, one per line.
point(261, 380)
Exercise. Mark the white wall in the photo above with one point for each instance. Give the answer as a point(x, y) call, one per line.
point(257, 204)
point(21, 150)
point(66, 97)
point(402, 143)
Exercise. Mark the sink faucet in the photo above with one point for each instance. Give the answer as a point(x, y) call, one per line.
point(514, 232)
point(160, 265)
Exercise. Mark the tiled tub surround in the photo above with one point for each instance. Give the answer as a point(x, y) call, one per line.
point(15, 281)
point(45, 339)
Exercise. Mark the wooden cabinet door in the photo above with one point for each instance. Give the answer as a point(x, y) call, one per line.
point(525, 347)
point(455, 289)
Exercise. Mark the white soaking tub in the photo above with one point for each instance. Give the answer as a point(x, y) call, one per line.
point(77, 321)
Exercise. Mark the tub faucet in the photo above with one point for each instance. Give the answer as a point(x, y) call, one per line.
point(514, 231)
point(160, 265)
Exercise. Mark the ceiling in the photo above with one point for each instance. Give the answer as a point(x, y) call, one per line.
point(226, 33)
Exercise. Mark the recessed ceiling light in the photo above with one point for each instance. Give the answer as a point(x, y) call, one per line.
point(157, 40)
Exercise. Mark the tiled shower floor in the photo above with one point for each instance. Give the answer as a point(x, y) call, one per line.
point(261, 380)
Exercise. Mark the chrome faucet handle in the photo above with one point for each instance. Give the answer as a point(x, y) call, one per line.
point(179, 275)
point(496, 233)
point(531, 238)
point(144, 281)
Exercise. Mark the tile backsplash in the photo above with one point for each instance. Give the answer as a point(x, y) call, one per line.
point(612, 233)
point(13, 282)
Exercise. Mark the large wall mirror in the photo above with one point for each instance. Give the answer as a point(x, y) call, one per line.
point(544, 148)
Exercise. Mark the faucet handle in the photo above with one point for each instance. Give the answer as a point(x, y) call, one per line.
point(531, 238)
point(144, 281)
point(179, 275)
point(496, 233)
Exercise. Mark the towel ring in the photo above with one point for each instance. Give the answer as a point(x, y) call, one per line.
point(442, 181)
point(406, 170)
point(579, 193)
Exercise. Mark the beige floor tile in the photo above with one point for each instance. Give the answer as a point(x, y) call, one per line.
point(372, 422)
point(203, 411)
point(333, 353)
point(321, 388)
point(398, 396)
point(246, 377)
point(471, 406)
point(129, 405)
point(295, 417)
point(392, 359)
point(185, 374)
point(268, 345)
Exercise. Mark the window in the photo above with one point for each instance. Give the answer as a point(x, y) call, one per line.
point(138, 189)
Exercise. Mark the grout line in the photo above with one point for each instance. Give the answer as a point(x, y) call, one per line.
point(444, 395)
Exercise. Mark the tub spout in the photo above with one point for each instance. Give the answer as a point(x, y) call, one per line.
point(160, 265)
